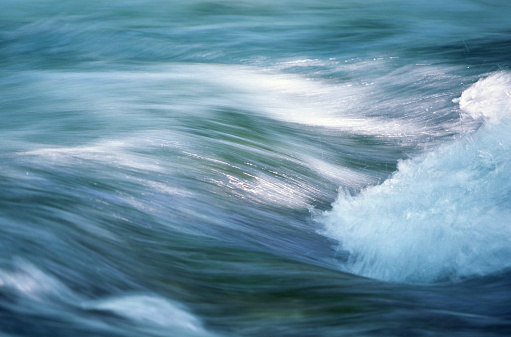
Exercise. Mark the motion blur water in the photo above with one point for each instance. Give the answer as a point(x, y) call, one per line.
point(242, 168)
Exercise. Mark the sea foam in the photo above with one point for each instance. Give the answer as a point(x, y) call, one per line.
point(442, 216)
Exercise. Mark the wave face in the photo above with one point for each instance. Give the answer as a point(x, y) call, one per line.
point(444, 215)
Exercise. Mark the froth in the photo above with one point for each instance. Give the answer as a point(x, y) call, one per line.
point(441, 216)
point(489, 98)
point(150, 310)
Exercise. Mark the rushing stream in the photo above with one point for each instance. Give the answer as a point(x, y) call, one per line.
point(255, 168)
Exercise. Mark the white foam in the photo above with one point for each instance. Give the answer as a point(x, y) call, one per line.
point(489, 98)
point(360, 105)
point(443, 215)
point(32, 283)
point(296, 99)
point(37, 289)
point(150, 310)
point(337, 173)
point(111, 152)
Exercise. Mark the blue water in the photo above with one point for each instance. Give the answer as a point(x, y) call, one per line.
point(243, 168)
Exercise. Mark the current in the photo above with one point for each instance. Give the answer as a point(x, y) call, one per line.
point(255, 168)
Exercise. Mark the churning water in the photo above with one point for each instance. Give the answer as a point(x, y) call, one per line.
point(255, 168)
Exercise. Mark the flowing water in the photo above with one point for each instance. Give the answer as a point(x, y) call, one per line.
point(255, 168)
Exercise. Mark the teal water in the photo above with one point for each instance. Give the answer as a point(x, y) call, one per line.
point(242, 168)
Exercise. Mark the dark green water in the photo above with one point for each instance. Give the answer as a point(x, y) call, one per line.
point(242, 168)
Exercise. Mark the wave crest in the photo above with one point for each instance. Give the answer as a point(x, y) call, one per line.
point(445, 215)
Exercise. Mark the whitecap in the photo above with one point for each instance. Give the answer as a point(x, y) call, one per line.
point(444, 215)
point(149, 310)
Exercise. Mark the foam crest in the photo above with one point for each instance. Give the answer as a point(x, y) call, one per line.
point(29, 282)
point(442, 216)
point(364, 103)
point(150, 310)
point(489, 98)
point(33, 288)
point(296, 99)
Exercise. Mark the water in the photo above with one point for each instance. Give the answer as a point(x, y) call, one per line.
point(242, 168)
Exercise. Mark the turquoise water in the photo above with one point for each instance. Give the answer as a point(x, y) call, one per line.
point(243, 168)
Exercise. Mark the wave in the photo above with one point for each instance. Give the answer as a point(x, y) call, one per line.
point(171, 106)
point(30, 290)
point(442, 216)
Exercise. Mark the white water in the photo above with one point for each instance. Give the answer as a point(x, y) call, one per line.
point(444, 215)
point(35, 290)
